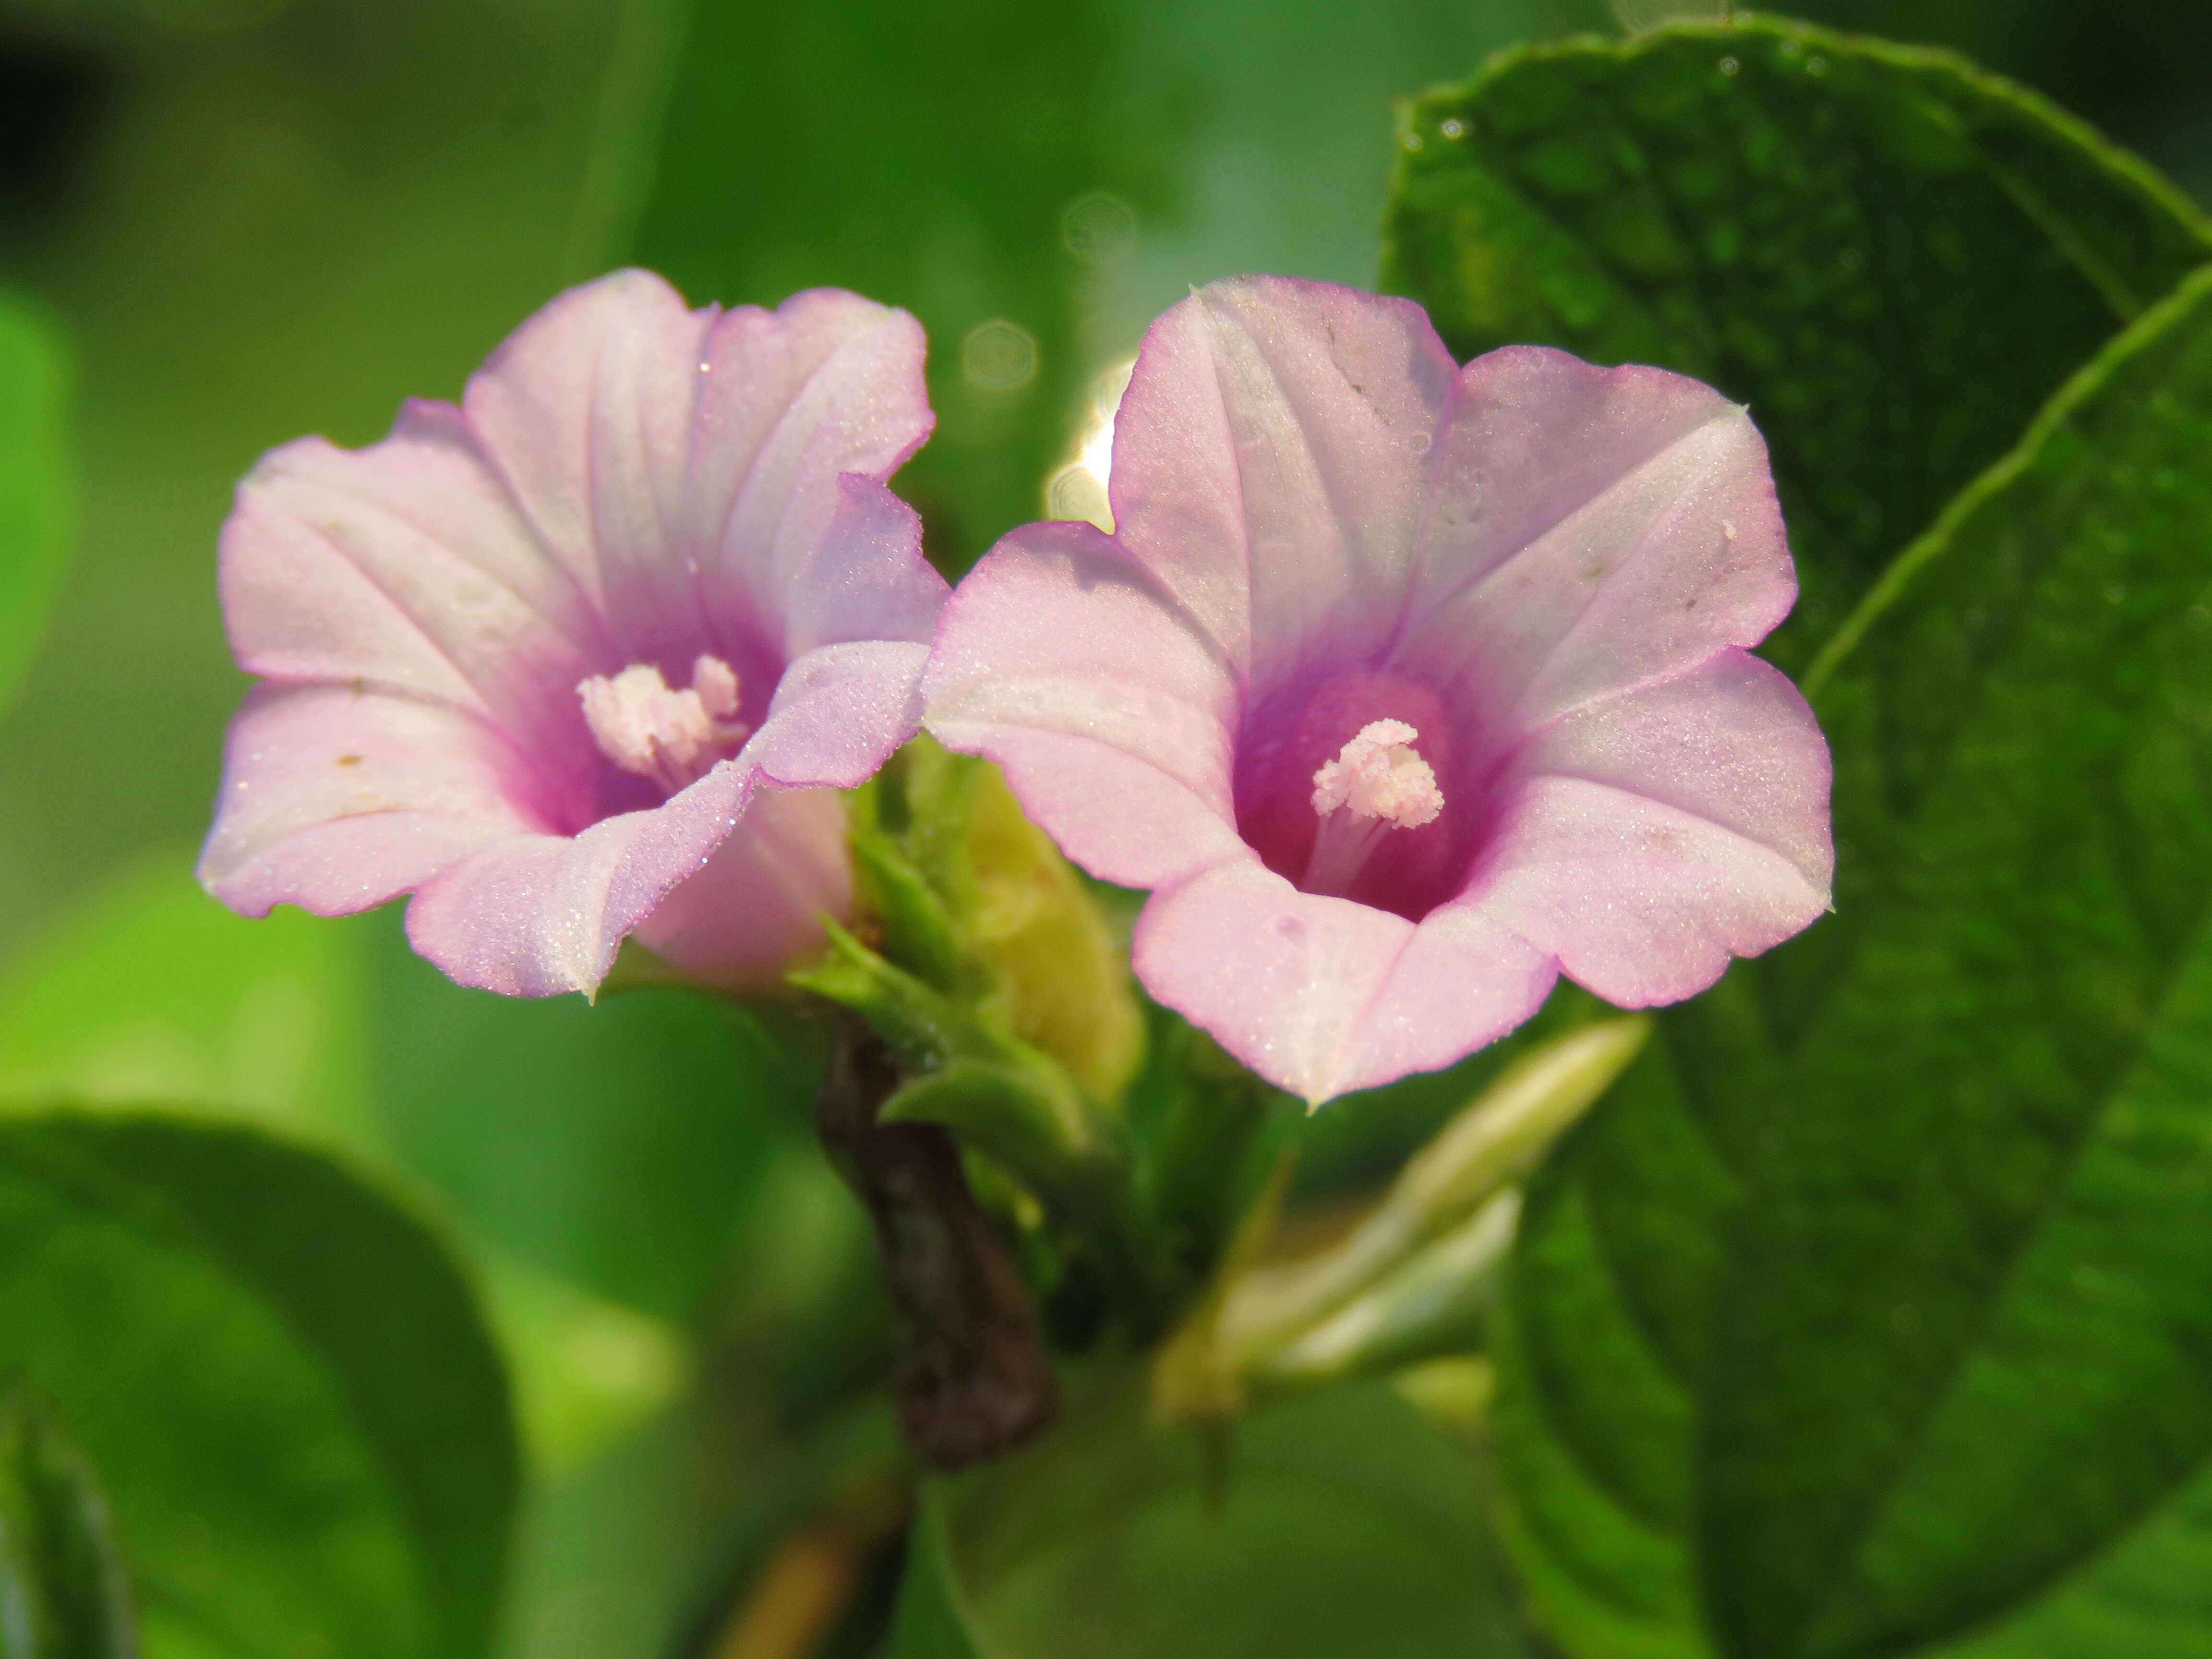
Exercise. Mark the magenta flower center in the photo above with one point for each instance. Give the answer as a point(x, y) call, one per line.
point(1365, 783)
point(673, 738)
point(1378, 782)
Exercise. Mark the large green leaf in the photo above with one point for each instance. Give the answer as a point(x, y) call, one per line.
point(1892, 258)
point(1339, 1524)
point(37, 508)
point(282, 1383)
point(1871, 1318)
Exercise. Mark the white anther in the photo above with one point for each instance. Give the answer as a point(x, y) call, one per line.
point(674, 738)
point(1377, 782)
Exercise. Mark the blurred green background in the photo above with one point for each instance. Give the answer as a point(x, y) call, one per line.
point(252, 219)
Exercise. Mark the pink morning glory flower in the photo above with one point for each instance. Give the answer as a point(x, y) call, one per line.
point(591, 653)
point(1405, 687)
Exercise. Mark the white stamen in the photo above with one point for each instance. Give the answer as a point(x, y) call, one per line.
point(674, 738)
point(1377, 782)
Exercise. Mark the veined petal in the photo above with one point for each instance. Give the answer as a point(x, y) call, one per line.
point(537, 915)
point(1731, 742)
point(1320, 995)
point(828, 384)
point(404, 565)
point(867, 579)
point(782, 869)
point(839, 712)
point(1271, 457)
point(1590, 529)
point(336, 799)
point(1641, 902)
point(1106, 705)
point(587, 411)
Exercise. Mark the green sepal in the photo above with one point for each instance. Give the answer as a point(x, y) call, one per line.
point(918, 929)
point(926, 1029)
point(1021, 1116)
point(963, 892)
point(63, 1592)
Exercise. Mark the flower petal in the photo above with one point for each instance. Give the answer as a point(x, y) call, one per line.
point(1108, 707)
point(868, 580)
point(1320, 995)
point(336, 800)
point(756, 905)
point(828, 384)
point(1591, 529)
point(1732, 742)
point(839, 713)
point(1655, 837)
point(536, 914)
point(405, 566)
point(587, 411)
point(1270, 460)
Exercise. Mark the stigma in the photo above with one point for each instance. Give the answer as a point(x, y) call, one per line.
point(1377, 782)
point(674, 738)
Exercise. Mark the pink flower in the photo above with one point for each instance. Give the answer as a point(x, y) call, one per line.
point(591, 653)
point(1403, 687)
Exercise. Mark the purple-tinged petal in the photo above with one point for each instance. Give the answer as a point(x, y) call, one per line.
point(587, 411)
point(782, 869)
point(337, 800)
point(1463, 982)
point(537, 915)
point(849, 398)
point(1107, 707)
point(1591, 529)
point(403, 566)
point(682, 511)
point(1732, 741)
point(1653, 837)
point(839, 713)
point(868, 579)
point(1270, 459)
point(1320, 995)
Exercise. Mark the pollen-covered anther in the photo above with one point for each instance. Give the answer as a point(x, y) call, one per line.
point(672, 736)
point(1378, 781)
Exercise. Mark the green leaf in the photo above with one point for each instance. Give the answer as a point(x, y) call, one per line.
point(1892, 258)
point(37, 507)
point(1337, 1524)
point(63, 1592)
point(285, 1386)
point(1874, 1308)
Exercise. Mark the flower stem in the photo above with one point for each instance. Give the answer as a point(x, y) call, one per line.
point(972, 1380)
